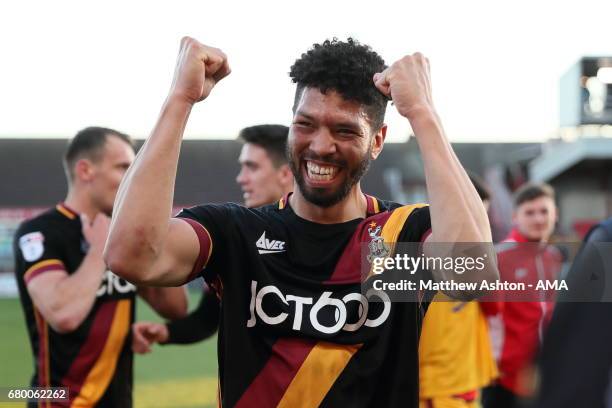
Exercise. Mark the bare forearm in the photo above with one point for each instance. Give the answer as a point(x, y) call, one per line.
point(145, 246)
point(74, 296)
point(458, 216)
point(170, 303)
point(457, 212)
point(144, 201)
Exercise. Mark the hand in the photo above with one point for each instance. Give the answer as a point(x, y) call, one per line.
point(144, 334)
point(96, 232)
point(198, 69)
point(408, 84)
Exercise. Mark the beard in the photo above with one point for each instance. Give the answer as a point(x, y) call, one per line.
point(323, 197)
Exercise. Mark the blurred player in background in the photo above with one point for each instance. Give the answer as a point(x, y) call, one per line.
point(78, 313)
point(296, 329)
point(264, 177)
point(455, 355)
point(517, 331)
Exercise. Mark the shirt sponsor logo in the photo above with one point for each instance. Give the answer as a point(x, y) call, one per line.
point(112, 284)
point(314, 309)
point(267, 246)
point(32, 246)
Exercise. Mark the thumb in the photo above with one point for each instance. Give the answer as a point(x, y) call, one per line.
point(381, 83)
point(85, 226)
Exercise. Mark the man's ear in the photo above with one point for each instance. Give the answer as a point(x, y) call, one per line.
point(83, 170)
point(378, 141)
point(285, 175)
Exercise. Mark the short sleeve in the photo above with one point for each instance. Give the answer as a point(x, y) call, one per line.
point(37, 249)
point(417, 226)
point(212, 224)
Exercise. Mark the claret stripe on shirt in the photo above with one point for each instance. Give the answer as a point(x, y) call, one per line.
point(206, 247)
point(94, 366)
point(66, 211)
point(44, 377)
point(43, 266)
point(301, 372)
point(269, 386)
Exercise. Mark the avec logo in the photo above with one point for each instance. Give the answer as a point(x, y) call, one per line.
point(267, 246)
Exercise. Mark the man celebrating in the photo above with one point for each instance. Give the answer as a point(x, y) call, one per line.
point(78, 313)
point(295, 328)
point(264, 178)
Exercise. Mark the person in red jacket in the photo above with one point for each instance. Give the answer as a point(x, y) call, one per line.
point(517, 330)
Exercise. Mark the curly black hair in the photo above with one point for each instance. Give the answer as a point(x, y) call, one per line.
point(345, 67)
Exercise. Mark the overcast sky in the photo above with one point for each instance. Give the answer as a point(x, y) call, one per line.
point(495, 65)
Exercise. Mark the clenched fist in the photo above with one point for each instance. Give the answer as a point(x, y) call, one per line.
point(96, 231)
point(408, 84)
point(145, 334)
point(198, 69)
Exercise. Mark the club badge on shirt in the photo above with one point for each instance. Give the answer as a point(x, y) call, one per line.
point(32, 246)
point(377, 246)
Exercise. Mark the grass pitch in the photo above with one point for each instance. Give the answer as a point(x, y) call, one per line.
point(170, 376)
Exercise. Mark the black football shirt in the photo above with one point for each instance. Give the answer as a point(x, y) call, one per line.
point(295, 328)
point(95, 360)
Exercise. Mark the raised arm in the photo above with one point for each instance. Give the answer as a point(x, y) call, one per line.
point(457, 212)
point(145, 245)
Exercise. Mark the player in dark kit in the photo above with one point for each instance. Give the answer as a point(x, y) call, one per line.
point(78, 313)
point(264, 178)
point(296, 329)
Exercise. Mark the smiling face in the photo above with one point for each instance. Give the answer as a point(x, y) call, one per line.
point(330, 146)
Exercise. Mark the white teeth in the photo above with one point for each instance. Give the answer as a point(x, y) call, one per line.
point(317, 172)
